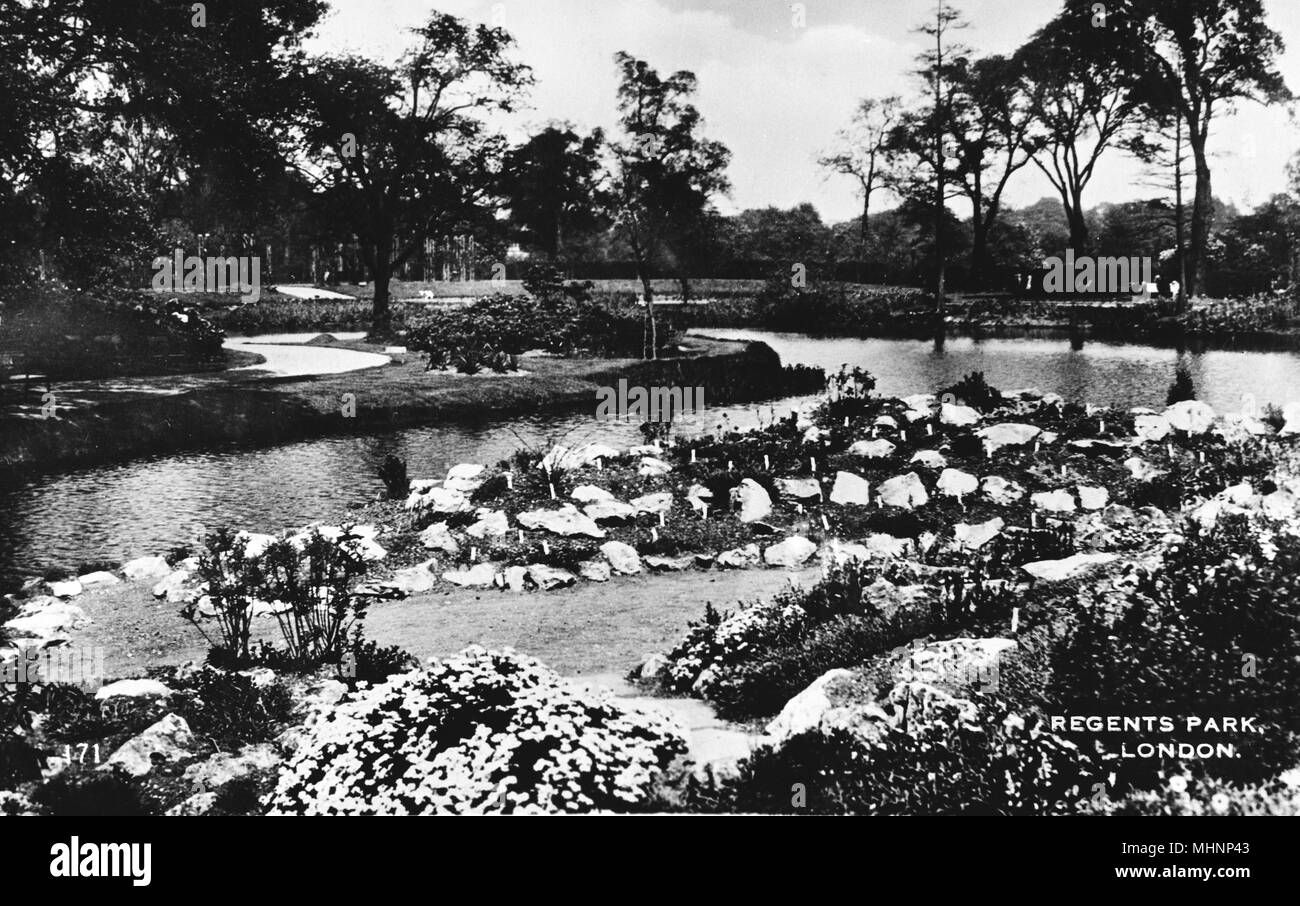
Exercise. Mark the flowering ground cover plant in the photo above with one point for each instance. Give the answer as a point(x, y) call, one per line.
point(480, 733)
point(943, 761)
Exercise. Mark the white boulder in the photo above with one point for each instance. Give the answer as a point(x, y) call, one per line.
point(904, 491)
point(851, 490)
point(790, 553)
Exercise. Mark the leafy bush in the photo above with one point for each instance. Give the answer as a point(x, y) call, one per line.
point(974, 391)
point(81, 793)
point(1182, 389)
point(370, 663)
point(481, 732)
point(228, 707)
point(72, 335)
point(19, 760)
point(493, 331)
point(74, 715)
point(310, 579)
point(752, 661)
point(762, 686)
point(1183, 642)
point(941, 764)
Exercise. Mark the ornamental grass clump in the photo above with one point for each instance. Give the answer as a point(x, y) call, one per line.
point(483, 732)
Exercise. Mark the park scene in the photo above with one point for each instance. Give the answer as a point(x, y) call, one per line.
point(649, 407)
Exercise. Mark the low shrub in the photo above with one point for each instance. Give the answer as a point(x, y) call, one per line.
point(751, 661)
point(491, 332)
point(82, 793)
point(941, 764)
point(1182, 389)
point(229, 708)
point(74, 715)
point(974, 391)
point(369, 663)
point(1183, 795)
point(310, 577)
point(761, 687)
point(1211, 632)
point(481, 732)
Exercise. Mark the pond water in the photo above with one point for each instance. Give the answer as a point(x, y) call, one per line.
point(116, 512)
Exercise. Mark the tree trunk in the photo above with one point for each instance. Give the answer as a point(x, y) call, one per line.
point(1200, 217)
point(649, 342)
point(865, 232)
point(1078, 227)
point(381, 269)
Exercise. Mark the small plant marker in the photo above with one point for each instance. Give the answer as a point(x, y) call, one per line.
point(813, 462)
point(600, 464)
point(729, 465)
point(552, 487)
point(661, 519)
point(546, 548)
point(654, 534)
point(1015, 619)
point(704, 508)
point(692, 454)
point(521, 536)
point(767, 464)
point(846, 421)
point(1170, 448)
point(825, 523)
point(1033, 520)
point(1101, 425)
point(510, 481)
point(798, 508)
point(473, 554)
point(929, 429)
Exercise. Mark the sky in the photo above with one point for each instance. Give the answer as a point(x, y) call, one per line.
point(778, 79)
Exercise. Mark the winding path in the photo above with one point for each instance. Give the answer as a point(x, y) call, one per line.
point(287, 356)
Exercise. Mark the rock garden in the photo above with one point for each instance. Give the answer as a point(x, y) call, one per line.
point(991, 561)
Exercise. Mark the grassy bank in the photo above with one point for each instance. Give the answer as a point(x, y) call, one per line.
point(401, 394)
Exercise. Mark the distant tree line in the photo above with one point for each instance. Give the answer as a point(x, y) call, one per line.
point(131, 127)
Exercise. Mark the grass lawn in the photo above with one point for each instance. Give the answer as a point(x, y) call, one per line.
point(249, 409)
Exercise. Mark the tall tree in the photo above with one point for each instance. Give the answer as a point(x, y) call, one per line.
point(666, 173)
point(1200, 57)
point(553, 186)
point(991, 121)
point(122, 100)
point(1079, 100)
point(401, 154)
point(928, 174)
point(1163, 147)
point(862, 153)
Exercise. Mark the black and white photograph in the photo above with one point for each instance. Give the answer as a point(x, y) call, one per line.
point(670, 408)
